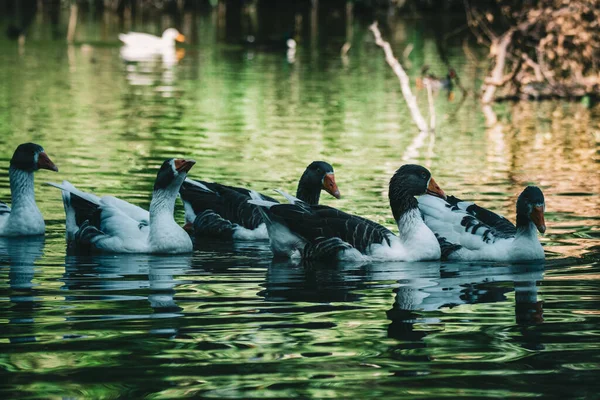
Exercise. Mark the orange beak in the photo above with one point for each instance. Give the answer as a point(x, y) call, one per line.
point(329, 185)
point(435, 190)
point(182, 165)
point(44, 162)
point(537, 216)
point(180, 38)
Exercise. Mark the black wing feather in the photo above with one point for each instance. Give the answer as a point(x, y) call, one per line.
point(322, 248)
point(447, 247)
point(4, 208)
point(319, 223)
point(210, 224)
point(229, 203)
point(83, 241)
point(85, 211)
point(500, 226)
point(217, 187)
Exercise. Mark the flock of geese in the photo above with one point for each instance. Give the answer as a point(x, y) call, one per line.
point(431, 225)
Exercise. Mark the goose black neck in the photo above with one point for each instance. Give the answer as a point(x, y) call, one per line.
point(308, 193)
point(401, 202)
point(523, 222)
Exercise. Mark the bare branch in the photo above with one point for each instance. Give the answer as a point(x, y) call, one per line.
point(498, 71)
point(431, 106)
point(410, 99)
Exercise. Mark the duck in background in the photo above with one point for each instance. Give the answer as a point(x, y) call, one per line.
point(428, 78)
point(140, 47)
point(151, 43)
point(285, 43)
point(469, 232)
point(24, 218)
point(222, 212)
point(109, 224)
point(437, 84)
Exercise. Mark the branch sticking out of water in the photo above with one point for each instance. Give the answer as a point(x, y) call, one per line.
point(411, 100)
point(72, 23)
point(431, 106)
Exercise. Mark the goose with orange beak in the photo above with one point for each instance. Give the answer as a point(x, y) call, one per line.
point(109, 224)
point(221, 212)
point(25, 218)
point(469, 232)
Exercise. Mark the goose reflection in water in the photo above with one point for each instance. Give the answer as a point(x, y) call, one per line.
point(152, 69)
point(19, 255)
point(129, 273)
point(425, 289)
point(419, 299)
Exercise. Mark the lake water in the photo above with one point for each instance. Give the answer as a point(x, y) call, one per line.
point(228, 321)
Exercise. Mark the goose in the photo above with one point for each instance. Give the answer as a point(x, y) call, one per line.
point(222, 212)
point(320, 232)
point(109, 224)
point(471, 232)
point(151, 43)
point(25, 218)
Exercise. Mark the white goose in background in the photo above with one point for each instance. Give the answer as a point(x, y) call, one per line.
point(150, 43)
point(469, 232)
point(25, 218)
point(321, 232)
point(109, 224)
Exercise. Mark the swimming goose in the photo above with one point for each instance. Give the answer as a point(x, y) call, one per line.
point(25, 218)
point(474, 233)
point(152, 43)
point(219, 211)
point(109, 224)
point(320, 232)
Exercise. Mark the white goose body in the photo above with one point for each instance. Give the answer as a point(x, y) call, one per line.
point(24, 218)
point(145, 42)
point(468, 232)
point(124, 233)
point(116, 226)
point(415, 241)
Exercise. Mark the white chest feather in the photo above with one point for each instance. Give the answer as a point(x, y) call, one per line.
point(168, 237)
point(25, 219)
point(415, 242)
point(23, 222)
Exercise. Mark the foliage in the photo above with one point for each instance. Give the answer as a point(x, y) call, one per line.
point(551, 47)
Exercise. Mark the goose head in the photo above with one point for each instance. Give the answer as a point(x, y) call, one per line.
point(30, 157)
point(531, 206)
point(411, 180)
point(172, 34)
point(172, 173)
point(319, 175)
